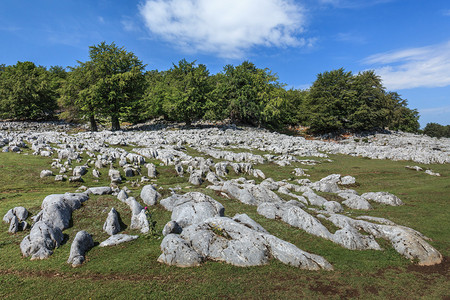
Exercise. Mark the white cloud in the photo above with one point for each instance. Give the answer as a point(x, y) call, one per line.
point(415, 67)
point(446, 12)
point(227, 28)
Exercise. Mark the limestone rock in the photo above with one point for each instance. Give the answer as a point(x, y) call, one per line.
point(151, 170)
point(177, 252)
point(192, 208)
point(80, 171)
point(405, 241)
point(19, 211)
point(196, 178)
point(41, 241)
point(101, 190)
point(76, 179)
point(355, 201)
point(150, 195)
point(383, 198)
point(82, 243)
point(46, 173)
point(346, 180)
point(118, 239)
point(13, 225)
point(122, 196)
point(140, 221)
point(95, 173)
point(172, 227)
point(112, 223)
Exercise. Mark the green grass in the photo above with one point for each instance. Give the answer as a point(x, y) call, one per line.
point(131, 271)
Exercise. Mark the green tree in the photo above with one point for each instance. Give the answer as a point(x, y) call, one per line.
point(437, 130)
point(79, 99)
point(401, 117)
point(369, 109)
point(248, 94)
point(152, 101)
point(186, 89)
point(329, 97)
point(113, 84)
point(27, 91)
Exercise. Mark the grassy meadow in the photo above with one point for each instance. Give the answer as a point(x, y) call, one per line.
point(130, 270)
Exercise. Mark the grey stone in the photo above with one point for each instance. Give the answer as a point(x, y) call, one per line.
point(249, 222)
point(112, 223)
point(76, 179)
point(346, 180)
point(101, 190)
point(82, 243)
point(140, 221)
point(59, 178)
point(430, 172)
point(354, 201)
point(134, 205)
point(383, 198)
point(193, 207)
point(179, 170)
point(122, 196)
point(223, 239)
point(95, 173)
point(315, 199)
point(118, 239)
point(13, 225)
point(172, 227)
point(151, 170)
point(41, 241)
point(150, 195)
point(333, 206)
point(80, 171)
point(19, 211)
point(46, 173)
point(405, 241)
point(176, 251)
point(114, 175)
point(212, 178)
point(416, 168)
point(195, 178)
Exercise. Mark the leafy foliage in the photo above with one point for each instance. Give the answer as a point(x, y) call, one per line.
point(27, 92)
point(437, 130)
point(110, 84)
point(339, 100)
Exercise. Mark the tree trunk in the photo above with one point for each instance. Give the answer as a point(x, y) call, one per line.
point(93, 123)
point(115, 125)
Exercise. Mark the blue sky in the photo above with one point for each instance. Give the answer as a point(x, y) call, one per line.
point(407, 42)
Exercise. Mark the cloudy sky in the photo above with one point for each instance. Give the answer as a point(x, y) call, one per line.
point(407, 42)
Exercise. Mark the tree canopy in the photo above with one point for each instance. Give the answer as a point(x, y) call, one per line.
point(339, 100)
point(27, 91)
point(110, 84)
point(113, 85)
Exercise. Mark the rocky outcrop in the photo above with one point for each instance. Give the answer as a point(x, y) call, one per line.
point(383, 198)
point(405, 241)
point(82, 243)
point(41, 241)
point(150, 195)
point(112, 223)
point(206, 234)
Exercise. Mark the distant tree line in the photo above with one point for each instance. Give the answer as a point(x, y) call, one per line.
point(113, 85)
point(437, 130)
